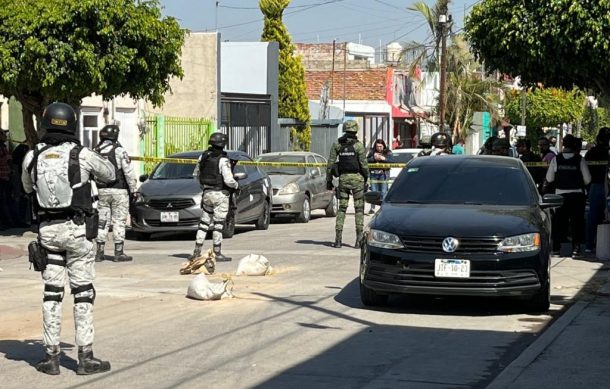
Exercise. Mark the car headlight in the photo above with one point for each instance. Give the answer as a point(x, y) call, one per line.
point(520, 243)
point(139, 198)
point(384, 240)
point(291, 188)
point(197, 198)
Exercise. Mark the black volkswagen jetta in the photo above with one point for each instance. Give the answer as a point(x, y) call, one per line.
point(459, 225)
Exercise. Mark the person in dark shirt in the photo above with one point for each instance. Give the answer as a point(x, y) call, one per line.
point(524, 148)
point(597, 190)
point(571, 175)
point(22, 210)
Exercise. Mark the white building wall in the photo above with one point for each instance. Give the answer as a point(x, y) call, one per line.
point(243, 67)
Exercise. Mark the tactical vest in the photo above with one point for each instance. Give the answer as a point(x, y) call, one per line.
point(568, 175)
point(209, 171)
point(55, 171)
point(348, 159)
point(120, 182)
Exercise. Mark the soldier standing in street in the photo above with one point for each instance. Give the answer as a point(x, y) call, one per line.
point(441, 145)
point(113, 202)
point(59, 171)
point(216, 178)
point(349, 155)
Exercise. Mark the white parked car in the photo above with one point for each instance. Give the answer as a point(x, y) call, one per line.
point(402, 156)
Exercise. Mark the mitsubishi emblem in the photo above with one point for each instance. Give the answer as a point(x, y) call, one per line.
point(450, 244)
point(169, 205)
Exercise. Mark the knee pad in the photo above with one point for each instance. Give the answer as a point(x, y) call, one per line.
point(53, 289)
point(83, 299)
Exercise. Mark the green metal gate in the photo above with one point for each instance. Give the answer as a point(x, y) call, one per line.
point(168, 135)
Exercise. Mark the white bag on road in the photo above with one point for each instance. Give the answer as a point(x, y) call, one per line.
point(201, 288)
point(253, 265)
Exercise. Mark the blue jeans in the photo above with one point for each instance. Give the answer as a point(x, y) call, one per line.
point(378, 187)
point(597, 207)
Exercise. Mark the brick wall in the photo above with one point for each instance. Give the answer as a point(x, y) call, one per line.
point(367, 84)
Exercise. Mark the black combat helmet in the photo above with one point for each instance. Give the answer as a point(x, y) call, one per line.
point(59, 117)
point(218, 139)
point(110, 132)
point(440, 140)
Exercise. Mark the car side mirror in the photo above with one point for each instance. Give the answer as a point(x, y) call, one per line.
point(314, 173)
point(373, 198)
point(143, 177)
point(240, 176)
point(551, 201)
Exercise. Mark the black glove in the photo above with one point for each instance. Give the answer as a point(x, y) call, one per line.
point(329, 185)
point(366, 186)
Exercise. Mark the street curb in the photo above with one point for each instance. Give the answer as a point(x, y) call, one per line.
point(512, 372)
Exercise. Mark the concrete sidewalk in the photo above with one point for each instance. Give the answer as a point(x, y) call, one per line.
point(574, 352)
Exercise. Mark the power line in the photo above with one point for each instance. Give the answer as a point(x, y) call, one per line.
point(301, 9)
point(290, 7)
point(391, 5)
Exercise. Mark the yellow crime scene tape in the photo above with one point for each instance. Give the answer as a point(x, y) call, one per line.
point(314, 164)
point(255, 163)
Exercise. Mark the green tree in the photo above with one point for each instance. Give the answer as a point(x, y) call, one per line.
point(592, 121)
point(427, 54)
point(65, 50)
point(559, 43)
point(292, 92)
point(546, 107)
point(467, 90)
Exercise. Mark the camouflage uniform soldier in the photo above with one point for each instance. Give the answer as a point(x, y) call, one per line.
point(216, 177)
point(58, 170)
point(114, 197)
point(349, 155)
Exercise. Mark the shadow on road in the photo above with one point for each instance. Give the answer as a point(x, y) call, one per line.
point(314, 242)
point(32, 351)
point(441, 305)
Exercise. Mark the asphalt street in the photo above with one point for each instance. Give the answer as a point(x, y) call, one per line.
point(303, 326)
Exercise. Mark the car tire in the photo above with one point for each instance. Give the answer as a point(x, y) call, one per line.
point(262, 223)
point(333, 207)
point(541, 301)
point(229, 228)
point(370, 298)
point(305, 214)
point(142, 235)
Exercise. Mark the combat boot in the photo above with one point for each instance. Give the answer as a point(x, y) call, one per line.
point(99, 255)
point(219, 256)
point(196, 253)
point(337, 244)
point(119, 255)
point(359, 239)
point(50, 363)
point(87, 364)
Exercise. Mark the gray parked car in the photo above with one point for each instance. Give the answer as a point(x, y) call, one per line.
point(169, 200)
point(299, 190)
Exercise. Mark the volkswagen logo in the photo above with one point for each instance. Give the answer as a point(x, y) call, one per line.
point(169, 205)
point(450, 244)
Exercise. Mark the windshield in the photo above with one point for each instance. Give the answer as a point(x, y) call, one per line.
point(289, 170)
point(461, 184)
point(170, 170)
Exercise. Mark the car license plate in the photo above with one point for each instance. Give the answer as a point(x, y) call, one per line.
point(453, 268)
point(170, 217)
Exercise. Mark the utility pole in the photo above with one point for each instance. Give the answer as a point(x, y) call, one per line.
point(344, 75)
point(443, 21)
point(216, 16)
point(332, 75)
